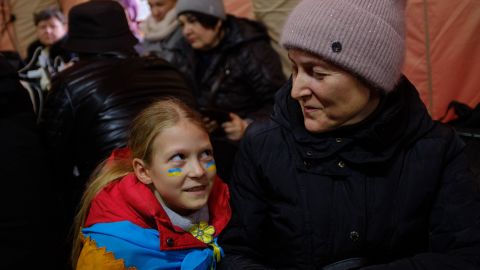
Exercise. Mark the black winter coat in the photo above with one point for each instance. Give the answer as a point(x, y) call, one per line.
point(394, 190)
point(243, 73)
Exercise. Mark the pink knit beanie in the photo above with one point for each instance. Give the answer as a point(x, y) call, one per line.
point(365, 37)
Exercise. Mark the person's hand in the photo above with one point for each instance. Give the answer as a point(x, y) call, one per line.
point(211, 125)
point(235, 128)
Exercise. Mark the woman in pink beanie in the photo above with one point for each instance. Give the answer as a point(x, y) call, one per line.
point(351, 172)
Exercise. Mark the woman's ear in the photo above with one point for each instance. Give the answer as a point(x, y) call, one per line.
point(141, 171)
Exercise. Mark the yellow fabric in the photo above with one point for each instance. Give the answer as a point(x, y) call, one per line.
point(92, 257)
point(204, 233)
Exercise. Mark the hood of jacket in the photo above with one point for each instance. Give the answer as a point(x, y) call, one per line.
point(241, 30)
point(400, 119)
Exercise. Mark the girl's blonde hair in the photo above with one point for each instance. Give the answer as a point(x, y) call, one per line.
point(144, 129)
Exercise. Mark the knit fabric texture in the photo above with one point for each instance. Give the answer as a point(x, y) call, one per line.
point(364, 37)
point(210, 7)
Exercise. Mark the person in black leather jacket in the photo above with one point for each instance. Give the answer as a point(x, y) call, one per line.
point(351, 172)
point(232, 67)
point(91, 105)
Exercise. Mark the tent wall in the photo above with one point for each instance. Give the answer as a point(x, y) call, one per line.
point(443, 51)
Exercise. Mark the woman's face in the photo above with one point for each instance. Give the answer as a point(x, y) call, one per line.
point(182, 169)
point(328, 96)
point(199, 37)
point(159, 8)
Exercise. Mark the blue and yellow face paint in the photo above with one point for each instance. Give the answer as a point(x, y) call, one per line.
point(174, 172)
point(210, 166)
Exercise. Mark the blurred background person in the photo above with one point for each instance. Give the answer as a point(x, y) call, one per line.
point(160, 27)
point(46, 54)
point(232, 68)
point(131, 7)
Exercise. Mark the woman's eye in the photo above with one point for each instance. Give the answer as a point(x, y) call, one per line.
point(318, 74)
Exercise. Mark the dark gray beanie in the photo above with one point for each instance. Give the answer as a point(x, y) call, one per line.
point(213, 8)
point(366, 37)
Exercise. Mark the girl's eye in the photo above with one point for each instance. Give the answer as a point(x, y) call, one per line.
point(177, 157)
point(207, 154)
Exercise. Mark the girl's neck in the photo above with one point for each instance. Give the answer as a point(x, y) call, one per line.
point(184, 221)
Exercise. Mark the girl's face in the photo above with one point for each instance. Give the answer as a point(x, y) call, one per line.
point(199, 37)
point(328, 96)
point(159, 8)
point(182, 168)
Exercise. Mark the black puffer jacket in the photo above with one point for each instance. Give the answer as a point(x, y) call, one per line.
point(394, 189)
point(243, 73)
point(90, 107)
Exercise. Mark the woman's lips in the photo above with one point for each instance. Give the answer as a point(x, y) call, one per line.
point(309, 109)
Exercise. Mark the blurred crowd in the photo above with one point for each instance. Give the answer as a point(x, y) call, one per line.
point(70, 103)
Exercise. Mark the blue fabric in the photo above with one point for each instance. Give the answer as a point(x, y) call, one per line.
point(140, 247)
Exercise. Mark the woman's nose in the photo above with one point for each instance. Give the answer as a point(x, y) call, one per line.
point(186, 29)
point(300, 86)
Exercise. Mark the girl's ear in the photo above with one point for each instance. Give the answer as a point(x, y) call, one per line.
point(141, 171)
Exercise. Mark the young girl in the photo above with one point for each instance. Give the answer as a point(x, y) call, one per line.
point(158, 203)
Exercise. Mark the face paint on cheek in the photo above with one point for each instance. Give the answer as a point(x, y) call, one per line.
point(174, 172)
point(210, 166)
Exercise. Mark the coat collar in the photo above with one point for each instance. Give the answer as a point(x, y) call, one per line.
point(129, 199)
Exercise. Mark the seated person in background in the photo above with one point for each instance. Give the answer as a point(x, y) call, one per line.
point(131, 8)
point(351, 172)
point(159, 28)
point(47, 52)
point(232, 67)
point(91, 105)
point(156, 204)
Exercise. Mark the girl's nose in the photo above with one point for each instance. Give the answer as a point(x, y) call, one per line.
point(197, 169)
